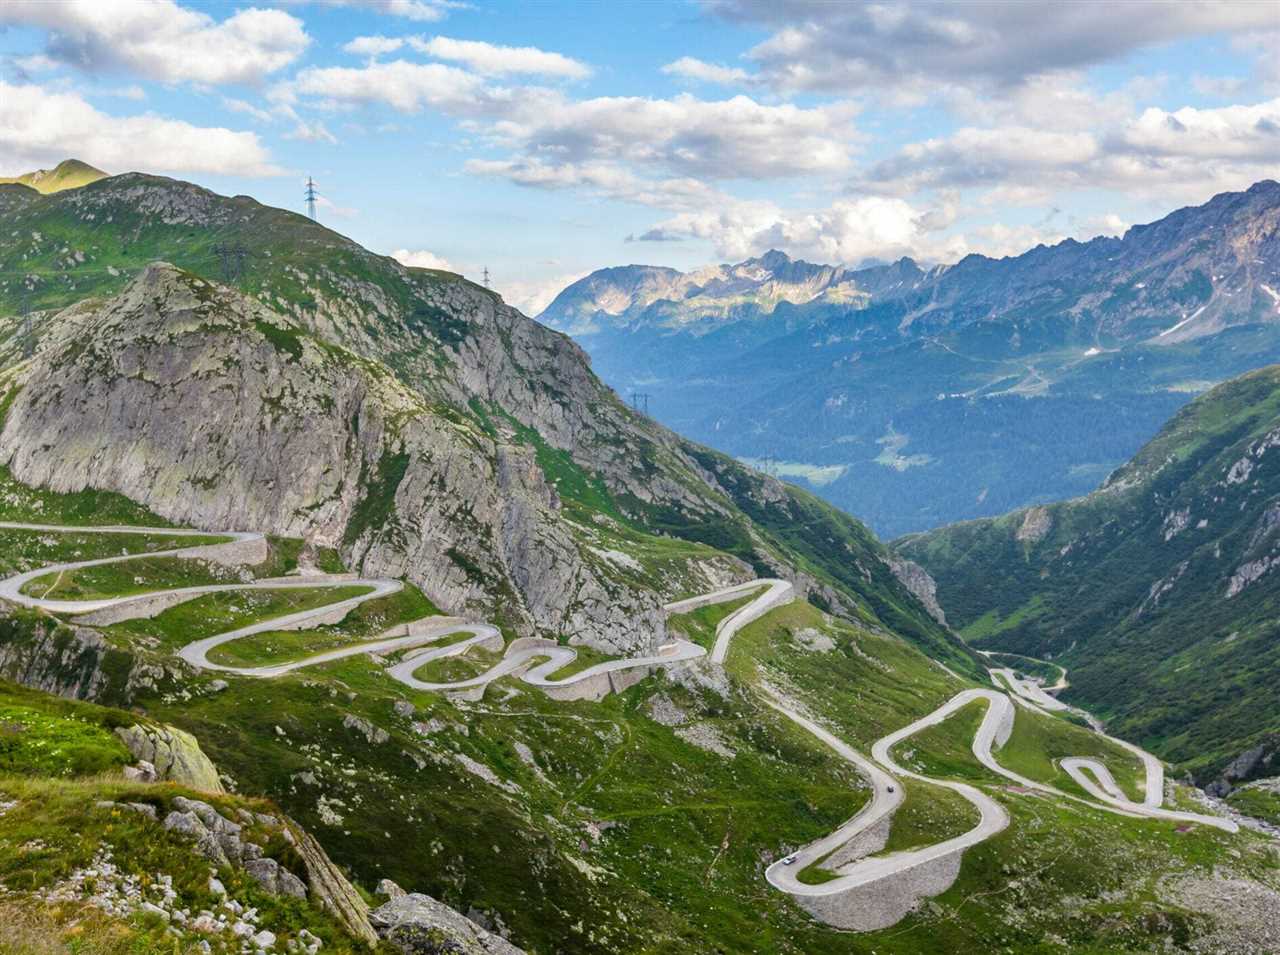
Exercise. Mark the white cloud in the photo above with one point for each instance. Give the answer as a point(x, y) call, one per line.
point(133, 92)
point(848, 231)
point(489, 59)
point(691, 68)
point(39, 126)
point(608, 180)
point(684, 135)
point(531, 296)
point(723, 139)
point(312, 132)
point(248, 109)
point(332, 208)
point(422, 259)
point(373, 45)
point(1185, 154)
point(1219, 87)
point(161, 40)
point(407, 87)
point(425, 11)
point(1229, 132)
point(897, 44)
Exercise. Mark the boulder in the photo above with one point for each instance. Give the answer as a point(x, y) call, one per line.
point(275, 878)
point(173, 754)
point(419, 925)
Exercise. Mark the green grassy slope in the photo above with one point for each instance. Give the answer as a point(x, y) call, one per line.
point(64, 836)
point(1131, 588)
point(416, 326)
point(68, 174)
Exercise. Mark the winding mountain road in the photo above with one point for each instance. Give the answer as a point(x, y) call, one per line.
point(425, 641)
point(518, 659)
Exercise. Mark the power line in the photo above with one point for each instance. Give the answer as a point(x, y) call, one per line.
point(233, 257)
point(311, 195)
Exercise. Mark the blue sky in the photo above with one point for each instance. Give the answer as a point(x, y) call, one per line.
point(545, 140)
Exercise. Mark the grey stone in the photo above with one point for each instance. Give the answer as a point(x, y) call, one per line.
point(390, 889)
point(419, 925)
point(174, 755)
point(275, 878)
point(374, 734)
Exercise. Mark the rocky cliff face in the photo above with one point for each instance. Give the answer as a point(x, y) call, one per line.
point(217, 412)
point(407, 416)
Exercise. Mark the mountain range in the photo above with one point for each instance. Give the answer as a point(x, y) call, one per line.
point(370, 382)
point(343, 608)
point(915, 397)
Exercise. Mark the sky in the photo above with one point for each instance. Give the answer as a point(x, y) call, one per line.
point(543, 140)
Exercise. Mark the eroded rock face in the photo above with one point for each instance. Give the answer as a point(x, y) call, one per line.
point(214, 411)
point(917, 580)
point(419, 925)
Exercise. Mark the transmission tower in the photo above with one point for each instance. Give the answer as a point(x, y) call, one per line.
point(311, 196)
point(640, 401)
point(233, 257)
point(486, 276)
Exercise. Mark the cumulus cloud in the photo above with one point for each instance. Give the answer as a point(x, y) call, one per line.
point(423, 11)
point(531, 296)
point(691, 68)
point(486, 59)
point(373, 45)
point(848, 231)
point(839, 47)
point(40, 126)
point(604, 179)
point(422, 259)
point(1185, 153)
point(683, 135)
point(490, 59)
point(1229, 132)
point(162, 40)
point(720, 139)
point(407, 87)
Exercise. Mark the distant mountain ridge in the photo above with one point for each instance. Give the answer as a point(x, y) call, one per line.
point(920, 397)
point(442, 434)
point(68, 174)
point(698, 302)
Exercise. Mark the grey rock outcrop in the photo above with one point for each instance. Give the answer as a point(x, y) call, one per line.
point(370, 465)
point(918, 580)
point(175, 754)
point(71, 661)
point(419, 925)
point(222, 841)
point(1253, 762)
point(330, 887)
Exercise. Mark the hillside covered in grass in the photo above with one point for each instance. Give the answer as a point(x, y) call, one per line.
point(1159, 592)
point(404, 417)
